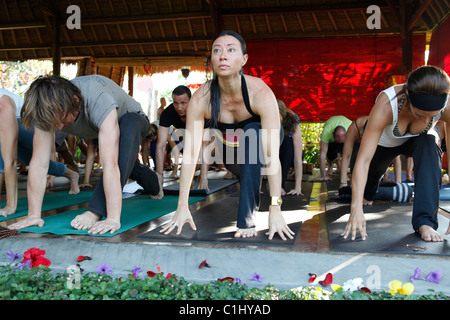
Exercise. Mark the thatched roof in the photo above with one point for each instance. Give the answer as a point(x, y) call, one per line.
point(168, 34)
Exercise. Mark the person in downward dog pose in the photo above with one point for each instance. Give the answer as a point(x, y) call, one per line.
point(92, 107)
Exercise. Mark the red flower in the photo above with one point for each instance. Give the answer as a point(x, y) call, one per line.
point(36, 257)
point(365, 289)
point(312, 277)
point(328, 280)
point(204, 264)
point(229, 279)
point(82, 258)
point(151, 274)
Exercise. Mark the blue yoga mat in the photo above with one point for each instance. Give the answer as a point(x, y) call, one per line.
point(135, 211)
point(51, 201)
point(444, 194)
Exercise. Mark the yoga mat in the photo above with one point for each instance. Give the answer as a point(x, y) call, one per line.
point(213, 185)
point(135, 211)
point(51, 201)
point(444, 193)
point(216, 223)
point(389, 230)
point(445, 205)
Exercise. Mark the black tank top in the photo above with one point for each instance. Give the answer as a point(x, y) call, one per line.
point(238, 125)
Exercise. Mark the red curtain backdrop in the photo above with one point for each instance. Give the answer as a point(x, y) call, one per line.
point(440, 47)
point(321, 78)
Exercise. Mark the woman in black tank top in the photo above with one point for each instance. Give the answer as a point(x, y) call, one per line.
point(243, 107)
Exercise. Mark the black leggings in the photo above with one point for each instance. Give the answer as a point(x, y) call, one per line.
point(427, 156)
point(246, 163)
point(133, 127)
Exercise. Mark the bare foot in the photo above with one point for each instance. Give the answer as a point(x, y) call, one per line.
point(6, 211)
point(429, 234)
point(245, 233)
point(85, 220)
point(160, 195)
point(73, 177)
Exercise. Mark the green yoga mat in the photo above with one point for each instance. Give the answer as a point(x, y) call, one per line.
point(51, 201)
point(135, 211)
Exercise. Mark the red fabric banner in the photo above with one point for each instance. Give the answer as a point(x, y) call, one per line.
point(321, 78)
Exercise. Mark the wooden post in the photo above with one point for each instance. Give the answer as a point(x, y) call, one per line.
point(56, 46)
point(130, 80)
point(407, 36)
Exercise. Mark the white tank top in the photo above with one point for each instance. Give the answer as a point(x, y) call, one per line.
point(17, 100)
point(388, 138)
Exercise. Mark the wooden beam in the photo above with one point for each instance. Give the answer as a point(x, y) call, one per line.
point(418, 14)
point(215, 16)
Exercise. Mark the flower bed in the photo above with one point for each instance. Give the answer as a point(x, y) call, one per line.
point(33, 279)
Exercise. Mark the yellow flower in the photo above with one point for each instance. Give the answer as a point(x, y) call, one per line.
point(408, 289)
point(335, 287)
point(395, 286)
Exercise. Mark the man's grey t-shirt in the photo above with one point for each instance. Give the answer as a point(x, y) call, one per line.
point(101, 95)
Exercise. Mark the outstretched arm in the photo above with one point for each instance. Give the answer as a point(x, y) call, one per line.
point(298, 165)
point(347, 151)
point(192, 145)
point(322, 161)
point(267, 109)
point(37, 178)
point(379, 118)
point(108, 146)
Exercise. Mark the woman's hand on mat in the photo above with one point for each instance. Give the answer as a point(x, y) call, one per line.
point(103, 226)
point(180, 218)
point(203, 184)
point(50, 180)
point(27, 222)
point(295, 192)
point(85, 185)
point(355, 222)
point(277, 224)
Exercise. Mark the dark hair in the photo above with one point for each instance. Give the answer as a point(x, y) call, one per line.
point(180, 90)
point(214, 84)
point(47, 99)
point(337, 129)
point(152, 132)
point(427, 80)
point(289, 120)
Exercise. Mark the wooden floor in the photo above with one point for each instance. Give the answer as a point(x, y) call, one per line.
point(313, 236)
